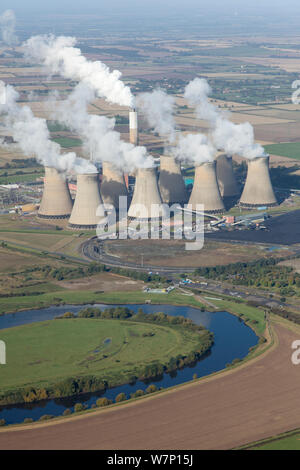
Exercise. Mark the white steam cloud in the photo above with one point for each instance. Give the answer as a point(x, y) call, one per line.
point(158, 108)
point(227, 136)
point(8, 27)
point(100, 139)
point(33, 138)
point(60, 56)
point(195, 149)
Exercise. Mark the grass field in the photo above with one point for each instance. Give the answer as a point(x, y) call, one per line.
point(287, 441)
point(67, 142)
point(290, 150)
point(46, 352)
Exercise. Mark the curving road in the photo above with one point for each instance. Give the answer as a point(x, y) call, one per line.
point(255, 401)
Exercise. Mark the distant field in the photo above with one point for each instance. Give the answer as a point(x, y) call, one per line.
point(46, 352)
point(290, 150)
point(67, 142)
point(290, 441)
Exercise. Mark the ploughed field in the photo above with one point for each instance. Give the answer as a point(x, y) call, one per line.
point(45, 353)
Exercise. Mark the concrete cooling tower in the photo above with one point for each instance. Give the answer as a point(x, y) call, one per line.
point(171, 183)
point(113, 184)
point(56, 201)
point(145, 193)
point(227, 183)
point(87, 201)
point(206, 190)
point(133, 127)
point(258, 190)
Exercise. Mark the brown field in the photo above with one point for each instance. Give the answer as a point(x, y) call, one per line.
point(293, 263)
point(105, 282)
point(173, 253)
point(253, 402)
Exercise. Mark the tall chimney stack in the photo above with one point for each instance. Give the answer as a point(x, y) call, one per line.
point(146, 193)
point(258, 190)
point(86, 214)
point(56, 202)
point(113, 184)
point(171, 183)
point(133, 127)
point(206, 190)
point(227, 183)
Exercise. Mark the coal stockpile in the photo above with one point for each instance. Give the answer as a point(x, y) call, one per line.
point(284, 230)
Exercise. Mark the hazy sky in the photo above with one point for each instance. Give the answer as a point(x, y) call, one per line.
point(286, 7)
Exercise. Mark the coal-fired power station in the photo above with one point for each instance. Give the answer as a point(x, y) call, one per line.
point(56, 201)
point(227, 182)
point(145, 196)
point(88, 209)
point(112, 185)
point(133, 127)
point(258, 190)
point(171, 183)
point(206, 190)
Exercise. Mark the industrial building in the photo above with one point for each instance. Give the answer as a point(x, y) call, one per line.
point(206, 190)
point(112, 185)
point(56, 201)
point(146, 196)
point(171, 183)
point(88, 209)
point(258, 190)
point(133, 127)
point(226, 180)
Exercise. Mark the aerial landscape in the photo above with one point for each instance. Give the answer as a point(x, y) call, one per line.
point(149, 228)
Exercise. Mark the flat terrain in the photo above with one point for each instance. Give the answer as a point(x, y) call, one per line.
point(173, 253)
point(223, 412)
point(46, 352)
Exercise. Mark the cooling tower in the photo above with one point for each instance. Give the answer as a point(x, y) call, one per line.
point(258, 190)
point(171, 183)
point(145, 193)
point(227, 183)
point(113, 184)
point(87, 201)
point(133, 127)
point(56, 201)
point(206, 190)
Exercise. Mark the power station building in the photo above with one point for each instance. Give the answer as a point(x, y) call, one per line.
point(88, 209)
point(226, 180)
point(171, 183)
point(206, 190)
point(112, 185)
point(146, 196)
point(258, 190)
point(56, 202)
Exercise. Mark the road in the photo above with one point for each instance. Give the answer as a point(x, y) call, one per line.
point(257, 400)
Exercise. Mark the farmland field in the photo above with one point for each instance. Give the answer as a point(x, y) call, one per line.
point(290, 150)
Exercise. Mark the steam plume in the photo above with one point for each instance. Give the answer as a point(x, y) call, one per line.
point(100, 139)
point(32, 135)
point(8, 26)
point(232, 138)
point(158, 108)
point(60, 56)
point(194, 149)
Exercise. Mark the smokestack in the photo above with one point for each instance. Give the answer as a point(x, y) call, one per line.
point(258, 190)
point(146, 193)
point(206, 190)
point(56, 201)
point(113, 184)
point(227, 183)
point(171, 183)
point(88, 199)
point(133, 127)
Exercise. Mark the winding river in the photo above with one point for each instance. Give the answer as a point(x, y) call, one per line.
point(232, 340)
